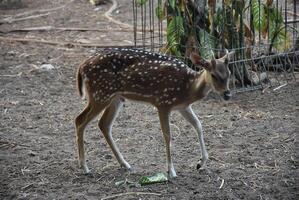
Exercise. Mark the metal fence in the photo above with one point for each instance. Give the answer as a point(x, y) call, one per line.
point(263, 68)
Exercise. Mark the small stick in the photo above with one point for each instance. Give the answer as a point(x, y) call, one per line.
point(52, 28)
point(130, 193)
point(277, 88)
point(178, 129)
point(23, 18)
point(68, 44)
point(15, 75)
point(222, 183)
point(7, 19)
point(107, 14)
point(27, 186)
point(264, 90)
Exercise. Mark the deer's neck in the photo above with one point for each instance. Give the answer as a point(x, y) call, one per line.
point(201, 86)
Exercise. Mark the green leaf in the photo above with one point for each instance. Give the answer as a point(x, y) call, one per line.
point(277, 34)
point(280, 39)
point(172, 4)
point(160, 12)
point(219, 20)
point(157, 178)
point(207, 44)
point(175, 32)
point(275, 15)
point(259, 17)
point(141, 2)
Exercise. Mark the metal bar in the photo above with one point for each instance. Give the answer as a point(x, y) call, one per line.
point(259, 24)
point(265, 70)
point(261, 57)
point(150, 12)
point(134, 22)
point(292, 22)
point(251, 21)
point(295, 19)
point(153, 19)
point(285, 19)
point(144, 21)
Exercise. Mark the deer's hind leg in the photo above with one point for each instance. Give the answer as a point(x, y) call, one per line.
point(81, 121)
point(105, 125)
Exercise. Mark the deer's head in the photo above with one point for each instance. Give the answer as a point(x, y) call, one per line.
point(218, 73)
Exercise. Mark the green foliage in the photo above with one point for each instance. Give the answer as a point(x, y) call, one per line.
point(160, 12)
point(218, 20)
point(224, 26)
point(278, 36)
point(207, 44)
point(141, 2)
point(259, 17)
point(175, 32)
point(172, 4)
point(268, 20)
point(156, 178)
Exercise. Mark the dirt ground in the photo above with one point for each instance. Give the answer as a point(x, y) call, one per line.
point(252, 140)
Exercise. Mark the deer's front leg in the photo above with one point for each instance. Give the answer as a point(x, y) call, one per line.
point(189, 115)
point(164, 120)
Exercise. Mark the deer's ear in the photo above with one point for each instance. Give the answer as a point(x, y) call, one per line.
point(228, 56)
point(197, 60)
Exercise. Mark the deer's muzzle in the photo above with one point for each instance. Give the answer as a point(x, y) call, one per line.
point(227, 95)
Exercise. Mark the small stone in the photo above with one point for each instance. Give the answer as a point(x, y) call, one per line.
point(108, 157)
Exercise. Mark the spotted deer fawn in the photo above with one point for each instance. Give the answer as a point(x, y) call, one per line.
point(113, 75)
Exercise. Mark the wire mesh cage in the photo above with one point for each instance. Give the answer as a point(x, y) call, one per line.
point(263, 33)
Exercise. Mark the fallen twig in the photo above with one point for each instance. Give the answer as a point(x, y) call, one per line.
point(25, 170)
point(222, 183)
point(68, 44)
point(107, 14)
point(50, 42)
point(279, 87)
point(27, 186)
point(15, 18)
point(13, 75)
point(130, 193)
point(178, 129)
point(52, 28)
point(10, 20)
point(39, 11)
point(265, 89)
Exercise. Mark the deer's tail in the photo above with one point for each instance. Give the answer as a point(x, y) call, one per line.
point(80, 83)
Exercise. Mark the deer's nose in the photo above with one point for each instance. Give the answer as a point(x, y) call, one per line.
point(227, 95)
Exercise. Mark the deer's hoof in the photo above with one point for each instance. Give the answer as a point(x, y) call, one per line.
point(171, 174)
point(198, 166)
point(130, 169)
point(127, 166)
point(86, 170)
point(201, 165)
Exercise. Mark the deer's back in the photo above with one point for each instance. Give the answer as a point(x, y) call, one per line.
point(136, 74)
